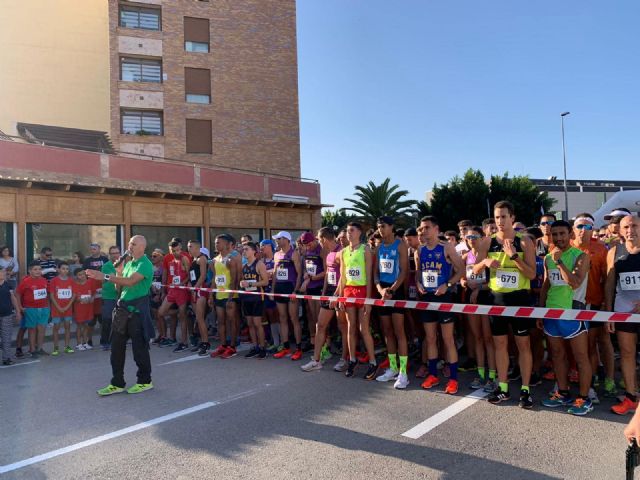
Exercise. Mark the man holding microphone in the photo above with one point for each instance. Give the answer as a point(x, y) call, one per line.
point(131, 317)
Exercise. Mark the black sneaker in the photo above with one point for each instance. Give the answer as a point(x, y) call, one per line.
point(514, 374)
point(535, 380)
point(525, 400)
point(180, 348)
point(252, 353)
point(468, 365)
point(8, 362)
point(498, 396)
point(371, 372)
point(351, 369)
point(43, 352)
point(204, 349)
point(195, 348)
point(262, 354)
point(19, 353)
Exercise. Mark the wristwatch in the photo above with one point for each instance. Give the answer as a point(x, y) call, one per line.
point(449, 284)
point(559, 262)
point(513, 257)
point(107, 277)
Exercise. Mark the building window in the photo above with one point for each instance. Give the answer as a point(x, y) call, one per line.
point(141, 122)
point(199, 136)
point(65, 239)
point(139, 17)
point(197, 85)
point(196, 34)
point(140, 70)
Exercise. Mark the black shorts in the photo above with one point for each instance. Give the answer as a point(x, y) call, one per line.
point(593, 325)
point(484, 297)
point(314, 291)
point(283, 288)
point(252, 308)
point(330, 292)
point(397, 295)
point(432, 316)
point(221, 303)
point(520, 326)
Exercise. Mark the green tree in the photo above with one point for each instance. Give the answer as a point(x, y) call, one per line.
point(336, 218)
point(528, 201)
point(373, 201)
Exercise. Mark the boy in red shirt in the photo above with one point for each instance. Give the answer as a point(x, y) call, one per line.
point(61, 295)
point(84, 291)
point(33, 302)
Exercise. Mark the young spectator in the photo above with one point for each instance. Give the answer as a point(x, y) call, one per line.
point(10, 266)
point(77, 260)
point(84, 291)
point(62, 297)
point(33, 302)
point(7, 303)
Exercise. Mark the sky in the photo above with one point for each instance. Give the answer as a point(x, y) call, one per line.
point(421, 90)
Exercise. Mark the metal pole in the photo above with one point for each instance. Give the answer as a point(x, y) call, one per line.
point(564, 161)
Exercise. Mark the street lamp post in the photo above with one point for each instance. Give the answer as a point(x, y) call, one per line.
point(564, 162)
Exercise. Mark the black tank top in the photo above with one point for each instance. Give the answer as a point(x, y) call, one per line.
point(250, 273)
point(194, 271)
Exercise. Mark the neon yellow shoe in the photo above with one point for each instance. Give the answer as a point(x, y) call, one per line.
point(68, 349)
point(110, 390)
point(55, 352)
point(140, 387)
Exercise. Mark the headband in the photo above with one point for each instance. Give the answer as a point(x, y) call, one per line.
point(584, 219)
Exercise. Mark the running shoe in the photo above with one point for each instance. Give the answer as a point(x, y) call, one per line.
point(195, 349)
point(282, 353)
point(87, 346)
point(204, 348)
point(535, 380)
point(140, 387)
point(252, 353)
point(182, 347)
point(514, 374)
point(525, 400)
point(573, 376)
point(371, 371)
point(498, 396)
point(362, 357)
point(625, 406)
point(490, 386)
point(423, 371)
point(110, 390)
point(325, 354)
point(68, 349)
point(297, 355)
point(273, 349)
point(549, 375)
point(610, 390)
point(262, 354)
point(593, 396)
point(340, 365)
point(80, 347)
point(430, 382)
point(556, 399)
point(55, 352)
point(387, 376)
point(477, 384)
point(351, 369)
point(385, 364)
point(219, 351)
point(7, 362)
point(581, 407)
point(42, 351)
point(468, 365)
point(230, 352)
point(402, 382)
point(19, 353)
point(452, 387)
point(311, 366)
point(169, 342)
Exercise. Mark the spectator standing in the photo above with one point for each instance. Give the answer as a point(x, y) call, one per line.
point(10, 265)
point(8, 302)
point(77, 260)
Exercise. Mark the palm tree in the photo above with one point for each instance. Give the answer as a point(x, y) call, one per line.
point(374, 201)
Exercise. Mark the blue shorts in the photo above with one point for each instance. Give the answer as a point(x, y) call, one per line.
point(566, 329)
point(36, 316)
point(58, 320)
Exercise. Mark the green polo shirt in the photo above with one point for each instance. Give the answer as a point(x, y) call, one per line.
point(109, 291)
point(144, 267)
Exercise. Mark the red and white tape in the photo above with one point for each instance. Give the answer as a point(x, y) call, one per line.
point(520, 312)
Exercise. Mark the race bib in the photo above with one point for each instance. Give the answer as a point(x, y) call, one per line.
point(40, 294)
point(430, 279)
point(413, 292)
point(475, 277)
point(555, 278)
point(192, 275)
point(251, 285)
point(220, 280)
point(630, 281)
point(386, 265)
point(282, 274)
point(175, 280)
point(311, 268)
point(64, 293)
point(332, 278)
point(507, 279)
point(354, 274)
point(85, 298)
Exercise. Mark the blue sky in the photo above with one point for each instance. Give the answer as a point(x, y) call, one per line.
point(421, 90)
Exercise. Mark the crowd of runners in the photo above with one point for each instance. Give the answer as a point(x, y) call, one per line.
point(558, 264)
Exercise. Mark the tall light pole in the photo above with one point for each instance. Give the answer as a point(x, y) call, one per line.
point(564, 161)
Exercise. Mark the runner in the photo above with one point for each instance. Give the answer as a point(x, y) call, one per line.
point(313, 262)
point(489, 227)
point(622, 294)
point(267, 248)
point(254, 278)
point(464, 227)
point(543, 245)
point(390, 271)
point(176, 268)
point(614, 235)
point(511, 259)
point(342, 238)
point(197, 279)
point(356, 274)
point(439, 269)
point(226, 269)
point(327, 240)
point(565, 286)
point(286, 280)
point(600, 346)
point(61, 297)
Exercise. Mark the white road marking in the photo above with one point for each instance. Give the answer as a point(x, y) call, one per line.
point(20, 364)
point(444, 415)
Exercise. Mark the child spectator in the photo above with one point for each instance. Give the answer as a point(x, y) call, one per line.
point(7, 303)
point(61, 295)
point(84, 291)
point(33, 302)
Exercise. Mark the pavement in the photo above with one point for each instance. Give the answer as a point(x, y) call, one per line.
point(248, 418)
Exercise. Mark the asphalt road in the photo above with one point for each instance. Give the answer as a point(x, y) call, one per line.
point(267, 419)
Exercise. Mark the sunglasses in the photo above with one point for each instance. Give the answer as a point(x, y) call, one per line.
point(472, 237)
point(585, 226)
point(518, 229)
point(544, 224)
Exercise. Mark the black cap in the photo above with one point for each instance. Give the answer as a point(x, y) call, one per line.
point(410, 232)
point(385, 219)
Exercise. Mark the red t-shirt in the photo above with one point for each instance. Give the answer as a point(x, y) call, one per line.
point(33, 292)
point(176, 270)
point(62, 291)
point(83, 312)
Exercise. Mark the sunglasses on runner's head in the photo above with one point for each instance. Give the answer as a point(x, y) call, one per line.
point(472, 237)
point(544, 224)
point(518, 229)
point(584, 226)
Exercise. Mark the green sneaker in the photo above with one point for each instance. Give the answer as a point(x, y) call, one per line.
point(325, 354)
point(55, 352)
point(68, 349)
point(110, 390)
point(610, 390)
point(140, 387)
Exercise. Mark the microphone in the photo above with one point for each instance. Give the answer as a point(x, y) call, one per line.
point(126, 254)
